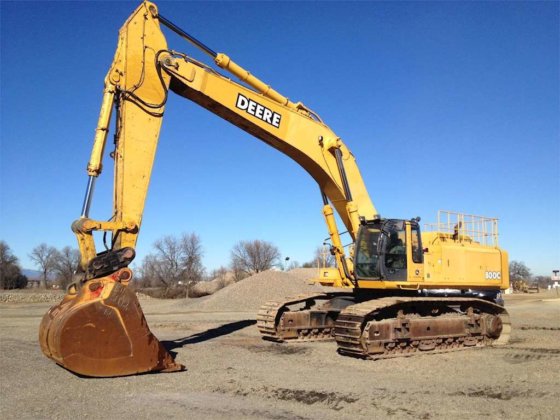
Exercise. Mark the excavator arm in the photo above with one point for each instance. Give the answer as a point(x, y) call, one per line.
point(99, 328)
point(136, 88)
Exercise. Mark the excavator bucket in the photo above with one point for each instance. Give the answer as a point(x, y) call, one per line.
point(100, 330)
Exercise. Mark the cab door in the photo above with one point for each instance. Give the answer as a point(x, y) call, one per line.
point(394, 243)
point(415, 252)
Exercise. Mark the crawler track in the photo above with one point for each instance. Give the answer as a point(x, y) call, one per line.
point(312, 320)
point(393, 327)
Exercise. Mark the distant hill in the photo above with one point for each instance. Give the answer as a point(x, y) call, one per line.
point(35, 274)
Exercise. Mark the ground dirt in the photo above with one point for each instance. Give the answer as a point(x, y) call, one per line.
point(232, 373)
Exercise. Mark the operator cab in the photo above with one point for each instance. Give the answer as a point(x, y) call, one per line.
point(386, 249)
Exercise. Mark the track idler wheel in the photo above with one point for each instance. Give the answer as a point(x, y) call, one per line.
point(494, 326)
point(101, 331)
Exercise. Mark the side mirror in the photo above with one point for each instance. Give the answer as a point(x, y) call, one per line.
point(426, 250)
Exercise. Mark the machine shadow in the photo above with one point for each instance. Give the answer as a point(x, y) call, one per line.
point(208, 335)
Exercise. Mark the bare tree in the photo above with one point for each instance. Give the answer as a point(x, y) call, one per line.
point(249, 257)
point(292, 265)
point(176, 260)
point(519, 271)
point(191, 261)
point(519, 276)
point(10, 273)
point(223, 275)
point(165, 263)
point(67, 262)
point(542, 281)
point(153, 272)
point(321, 258)
point(6, 256)
point(45, 258)
point(219, 273)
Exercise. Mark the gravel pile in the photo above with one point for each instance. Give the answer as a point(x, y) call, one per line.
point(249, 294)
point(304, 273)
point(205, 288)
point(30, 297)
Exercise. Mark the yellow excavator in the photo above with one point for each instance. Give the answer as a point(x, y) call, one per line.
point(401, 292)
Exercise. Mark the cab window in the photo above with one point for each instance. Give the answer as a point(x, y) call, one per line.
point(395, 256)
point(366, 257)
point(417, 252)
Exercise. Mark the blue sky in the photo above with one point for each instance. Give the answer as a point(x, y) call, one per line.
point(446, 105)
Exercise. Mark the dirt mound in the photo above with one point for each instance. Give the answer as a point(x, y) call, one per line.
point(304, 273)
point(249, 294)
point(210, 287)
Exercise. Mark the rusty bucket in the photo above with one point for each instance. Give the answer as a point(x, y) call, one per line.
point(100, 331)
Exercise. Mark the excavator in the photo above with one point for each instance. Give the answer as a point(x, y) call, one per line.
point(394, 292)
